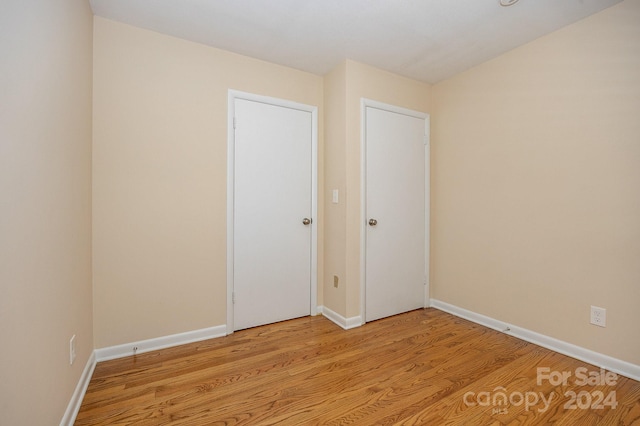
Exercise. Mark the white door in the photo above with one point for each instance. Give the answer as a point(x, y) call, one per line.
point(395, 212)
point(272, 197)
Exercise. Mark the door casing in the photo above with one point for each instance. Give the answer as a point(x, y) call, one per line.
point(232, 96)
point(364, 103)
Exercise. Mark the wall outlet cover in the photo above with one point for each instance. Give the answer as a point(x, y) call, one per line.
point(598, 316)
point(72, 349)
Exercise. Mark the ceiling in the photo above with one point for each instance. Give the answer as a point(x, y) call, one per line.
point(427, 40)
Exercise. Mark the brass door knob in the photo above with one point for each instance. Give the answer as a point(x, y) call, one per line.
point(306, 221)
point(373, 222)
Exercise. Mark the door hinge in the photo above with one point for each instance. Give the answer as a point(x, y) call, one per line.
point(234, 122)
point(426, 139)
point(233, 298)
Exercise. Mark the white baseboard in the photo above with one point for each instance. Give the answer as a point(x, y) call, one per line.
point(126, 349)
point(78, 394)
point(121, 351)
point(346, 323)
point(607, 362)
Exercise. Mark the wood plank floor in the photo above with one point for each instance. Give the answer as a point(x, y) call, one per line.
point(422, 367)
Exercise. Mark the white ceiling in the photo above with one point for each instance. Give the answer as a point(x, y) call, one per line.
point(427, 40)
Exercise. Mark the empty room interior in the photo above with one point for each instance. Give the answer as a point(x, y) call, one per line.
point(308, 212)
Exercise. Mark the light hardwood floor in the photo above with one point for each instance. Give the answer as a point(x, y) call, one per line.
point(422, 367)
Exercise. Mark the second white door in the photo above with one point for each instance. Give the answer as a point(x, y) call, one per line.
point(395, 249)
point(272, 213)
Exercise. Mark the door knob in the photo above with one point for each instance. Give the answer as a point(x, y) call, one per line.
point(373, 222)
point(306, 221)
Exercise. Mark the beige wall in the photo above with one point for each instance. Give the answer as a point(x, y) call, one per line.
point(345, 87)
point(335, 178)
point(45, 206)
point(536, 184)
point(159, 177)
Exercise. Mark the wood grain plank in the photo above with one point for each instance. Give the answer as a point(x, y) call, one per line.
point(413, 368)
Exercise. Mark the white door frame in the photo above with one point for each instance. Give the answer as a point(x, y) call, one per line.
point(233, 95)
point(364, 103)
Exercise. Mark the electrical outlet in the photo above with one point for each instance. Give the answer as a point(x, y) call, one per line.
point(335, 281)
point(72, 349)
point(598, 316)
